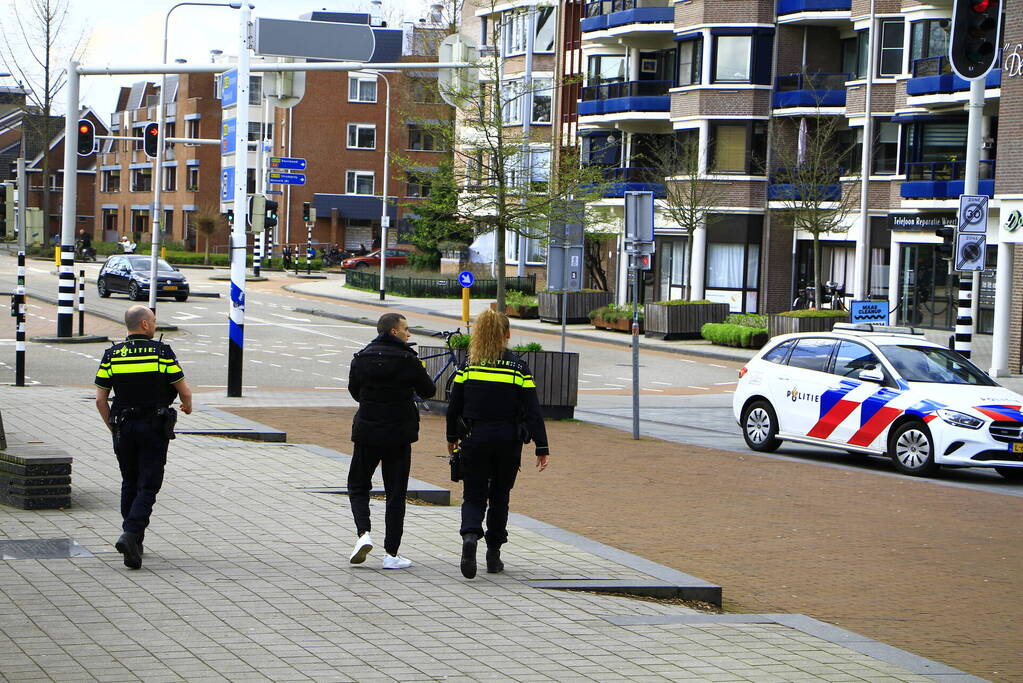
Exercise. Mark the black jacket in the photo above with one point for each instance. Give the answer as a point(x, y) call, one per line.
point(495, 402)
point(383, 378)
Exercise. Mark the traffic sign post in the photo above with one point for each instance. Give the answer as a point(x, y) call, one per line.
point(970, 252)
point(639, 238)
point(287, 178)
point(287, 163)
point(973, 213)
point(467, 280)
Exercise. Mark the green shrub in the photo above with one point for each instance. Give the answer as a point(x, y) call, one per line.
point(815, 313)
point(681, 302)
point(531, 346)
point(747, 319)
point(427, 262)
point(459, 341)
point(615, 312)
point(741, 336)
point(516, 298)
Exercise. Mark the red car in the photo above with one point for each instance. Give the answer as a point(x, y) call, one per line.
point(395, 257)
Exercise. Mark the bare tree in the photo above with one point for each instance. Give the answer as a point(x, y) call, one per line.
point(37, 48)
point(207, 221)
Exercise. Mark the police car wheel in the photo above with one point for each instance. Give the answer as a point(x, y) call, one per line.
point(101, 287)
point(1011, 473)
point(760, 427)
point(912, 450)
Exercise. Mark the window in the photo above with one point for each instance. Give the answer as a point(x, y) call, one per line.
point(852, 358)
point(542, 90)
point(359, 182)
point(886, 149)
point(602, 149)
point(928, 38)
point(362, 89)
point(255, 89)
point(250, 181)
point(142, 180)
point(738, 147)
point(511, 102)
point(690, 57)
point(418, 184)
point(931, 364)
point(170, 179)
point(362, 136)
point(812, 354)
point(513, 32)
point(605, 69)
point(260, 131)
point(192, 128)
point(778, 353)
point(111, 181)
point(421, 139)
point(890, 58)
point(545, 26)
point(168, 222)
point(733, 59)
point(192, 184)
point(425, 91)
point(854, 55)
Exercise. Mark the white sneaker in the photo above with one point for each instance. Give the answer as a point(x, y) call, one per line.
point(362, 548)
point(396, 562)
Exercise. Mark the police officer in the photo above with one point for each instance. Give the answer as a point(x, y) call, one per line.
point(492, 411)
point(145, 377)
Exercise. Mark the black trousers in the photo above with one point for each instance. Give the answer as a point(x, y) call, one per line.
point(394, 462)
point(141, 449)
point(489, 469)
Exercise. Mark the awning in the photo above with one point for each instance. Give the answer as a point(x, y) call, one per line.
point(353, 206)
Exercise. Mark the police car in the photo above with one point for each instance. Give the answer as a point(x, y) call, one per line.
point(880, 390)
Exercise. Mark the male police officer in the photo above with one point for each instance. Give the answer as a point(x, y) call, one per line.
point(145, 377)
point(382, 378)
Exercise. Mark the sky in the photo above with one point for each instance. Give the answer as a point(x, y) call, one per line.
point(131, 32)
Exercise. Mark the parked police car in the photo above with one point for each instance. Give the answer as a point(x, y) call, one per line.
point(881, 391)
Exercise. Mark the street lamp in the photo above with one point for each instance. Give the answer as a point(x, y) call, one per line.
point(160, 143)
point(385, 218)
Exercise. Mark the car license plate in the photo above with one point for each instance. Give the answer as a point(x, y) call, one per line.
point(1017, 447)
point(170, 288)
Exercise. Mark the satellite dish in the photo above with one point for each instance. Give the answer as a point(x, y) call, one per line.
point(454, 83)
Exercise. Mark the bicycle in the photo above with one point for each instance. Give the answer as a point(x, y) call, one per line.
point(451, 363)
point(834, 297)
point(805, 298)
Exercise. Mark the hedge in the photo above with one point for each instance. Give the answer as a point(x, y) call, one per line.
point(814, 313)
point(613, 312)
point(681, 302)
point(727, 334)
point(184, 258)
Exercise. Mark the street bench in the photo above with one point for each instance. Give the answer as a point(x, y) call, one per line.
point(33, 476)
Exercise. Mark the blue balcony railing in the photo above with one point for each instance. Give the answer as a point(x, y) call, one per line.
point(622, 96)
point(633, 179)
point(792, 183)
point(793, 6)
point(605, 14)
point(944, 179)
point(810, 90)
point(933, 76)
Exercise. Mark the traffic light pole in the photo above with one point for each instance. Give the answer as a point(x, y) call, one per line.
point(66, 283)
point(236, 331)
point(969, 286)
point(19, 296)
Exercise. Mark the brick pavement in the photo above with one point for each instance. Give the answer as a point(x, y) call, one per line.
point(245, 578)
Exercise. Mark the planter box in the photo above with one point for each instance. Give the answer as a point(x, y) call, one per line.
point(556, 375)
point(681, 321)
point(579, 305)
point(526, 312)
point(783, 324)
point(620, 325)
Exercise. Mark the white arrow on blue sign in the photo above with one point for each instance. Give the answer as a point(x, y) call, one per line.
point(466, 278)
point(288, 163)
point(287, 178)
point(227, 184)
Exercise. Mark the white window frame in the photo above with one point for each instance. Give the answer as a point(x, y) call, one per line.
point(358, 128)
point(352, 182)
point(511, 102)
point(355, 81)
point(543, 87)
point(900, 48)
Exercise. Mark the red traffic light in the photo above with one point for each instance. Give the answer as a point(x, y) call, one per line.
point(150, 139)
point(980, 5)
point(83, 129)
point(86, 137)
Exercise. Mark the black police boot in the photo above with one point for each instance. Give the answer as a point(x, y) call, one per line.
point(468, 563)
point(494, 563)
point(128, 545)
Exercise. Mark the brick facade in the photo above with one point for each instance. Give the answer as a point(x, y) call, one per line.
point(699, 12)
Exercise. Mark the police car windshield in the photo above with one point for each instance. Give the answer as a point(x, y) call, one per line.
point(935, 365)
point(142, 263)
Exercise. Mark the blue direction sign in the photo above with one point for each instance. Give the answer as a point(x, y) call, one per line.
point(466, 278)
point(287, 178)
point(227, 184)
point(288, 163)
point(229, 88)
point(227, 136)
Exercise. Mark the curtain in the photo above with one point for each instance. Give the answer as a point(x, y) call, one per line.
point(724, 265)
point(730, 148)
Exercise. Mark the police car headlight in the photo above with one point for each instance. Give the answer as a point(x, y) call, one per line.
point(954, 417)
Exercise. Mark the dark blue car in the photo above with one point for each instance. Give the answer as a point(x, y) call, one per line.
point(129, 274)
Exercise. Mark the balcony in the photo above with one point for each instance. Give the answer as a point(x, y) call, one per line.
point(606, 14)
point(613, 98)
point(933, 76)
point(633, 179)
point(809, 90)
point(791, 184)
point(795, 6)
point(944, 179)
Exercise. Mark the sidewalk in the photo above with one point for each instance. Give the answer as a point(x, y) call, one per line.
point(246, 578)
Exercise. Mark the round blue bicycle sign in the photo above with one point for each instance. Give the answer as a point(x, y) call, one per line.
point(466, 279)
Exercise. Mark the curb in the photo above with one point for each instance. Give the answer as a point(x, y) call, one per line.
point(84, 339)
point(247, 429)
point(248, 278)
point(98, 314)
point(359, 320)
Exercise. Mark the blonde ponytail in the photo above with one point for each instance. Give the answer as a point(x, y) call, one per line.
point(489, 337)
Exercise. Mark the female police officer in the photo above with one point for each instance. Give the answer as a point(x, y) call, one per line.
point(495, 397)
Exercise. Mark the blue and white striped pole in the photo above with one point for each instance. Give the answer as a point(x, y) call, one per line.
point(236, 331)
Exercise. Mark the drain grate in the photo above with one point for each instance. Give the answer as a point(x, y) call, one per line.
point(41, 549)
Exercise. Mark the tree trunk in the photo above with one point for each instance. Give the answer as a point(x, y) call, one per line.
point(206, 257)
point(499, 260)
point(816, 270)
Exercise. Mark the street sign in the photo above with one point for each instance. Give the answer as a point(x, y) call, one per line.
point(229, 88)
point(869, 312)
point(227, 184)
point(227, 136)
point(970, 252)
point(639, 217)
point(287, 178)
point(314, 39)
point(287, 163)
point(565, 268)
point(973, 209)
point(466, 278)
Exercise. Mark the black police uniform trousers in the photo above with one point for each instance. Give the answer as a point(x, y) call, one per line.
point(395, 462)
point(141, 449)
point(489, 468)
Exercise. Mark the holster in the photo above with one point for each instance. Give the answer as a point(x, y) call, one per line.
point(168, 418)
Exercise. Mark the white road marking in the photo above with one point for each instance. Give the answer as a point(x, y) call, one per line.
point(715, 365)
point(663, 384)
point(723, 384)
point(288, 317)
point(700, 388)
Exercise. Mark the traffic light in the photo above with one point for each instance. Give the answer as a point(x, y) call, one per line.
point(6, 208)
point(973, 45)
point(948, 236)
point(257, 213)
point(230, 217)
point(86, 137)
point(308, 213)
point(150, 137)
point(271, 213)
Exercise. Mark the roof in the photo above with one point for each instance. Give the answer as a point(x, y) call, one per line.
point(877, 338)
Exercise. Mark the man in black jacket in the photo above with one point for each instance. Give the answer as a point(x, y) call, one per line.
point(383, 378)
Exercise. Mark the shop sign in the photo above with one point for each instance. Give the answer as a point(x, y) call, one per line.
point(920, 222)
point(1011, 228)
point(1012, 62)
point(1014, 221)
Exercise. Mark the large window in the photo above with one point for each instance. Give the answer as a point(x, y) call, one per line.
point(142, 180)
point(690, 57)
point(111, 181)
point(854, 55)
point(733, 59)
point(362, 88)
point(542, 91)
point(890, 57)
point(170, 179)
point(359, 182)
point(733, 260)
point(738, 147)
point(421, 139)
point(257, 133)
point(929, 38)
point(362, 136)
point(605, 69)
point(417, 183)
point(192, 128)
point(425, 91)
point(511, 102)
point(515, 30)
point(193, 179)
point(886, 148)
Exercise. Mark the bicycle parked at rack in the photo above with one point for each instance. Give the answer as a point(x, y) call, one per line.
point(451, 363)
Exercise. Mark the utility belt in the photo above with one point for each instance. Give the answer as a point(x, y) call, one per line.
point(512, 429)
point(164, 417)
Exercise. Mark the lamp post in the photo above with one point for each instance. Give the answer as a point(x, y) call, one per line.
point(385, 218)
point(161, 137)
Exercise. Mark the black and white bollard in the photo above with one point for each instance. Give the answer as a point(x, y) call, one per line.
point(964, 316)
point(19, 342)
point(81, 302)
point(309, 249)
